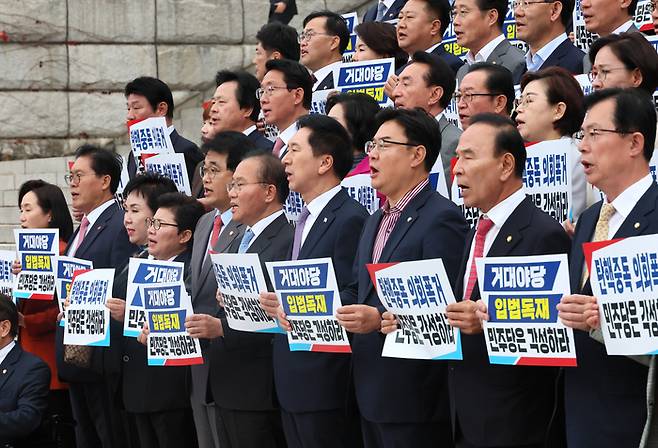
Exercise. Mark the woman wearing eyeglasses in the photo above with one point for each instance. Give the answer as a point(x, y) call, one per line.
point(549, 110)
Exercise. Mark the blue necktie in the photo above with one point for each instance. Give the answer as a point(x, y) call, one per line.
point(246, 239)
point(381, 10)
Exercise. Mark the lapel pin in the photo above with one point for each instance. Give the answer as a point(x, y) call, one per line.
point(325, 220)
point(4, 371)
point(409, 219)
point(509, 238)
point(230, 233)
point(637, 225)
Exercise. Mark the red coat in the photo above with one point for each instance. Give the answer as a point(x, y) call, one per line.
point(38, 336)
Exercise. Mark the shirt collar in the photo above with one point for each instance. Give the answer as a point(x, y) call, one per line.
point(261, 225)
point(170, 129)
point(287, 134)
point(626, 201)
point(387, 3)
point(624, 27)
point(485, 52)
point(534, 62)
point(4, 351)
point(501, 211)
point(433, 47)
point(249, 130)
point(227, 216)
point(318, 204)
point(404, 201)
point(323, 72)
point(98, 211)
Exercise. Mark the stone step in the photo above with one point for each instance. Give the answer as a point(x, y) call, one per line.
point(7, 236)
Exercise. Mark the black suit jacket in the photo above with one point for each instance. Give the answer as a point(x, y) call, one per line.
point(453, 61)
point(335, 234)
point(24, 382)
point(107, 246)
point(154, 388)
point(567, 56)
point(261, 141)
point(391, 14)
point(485, 398)
point(241, 374)
point(327, 82)
point(393, 389)
point(604, 392)
point(182, 146)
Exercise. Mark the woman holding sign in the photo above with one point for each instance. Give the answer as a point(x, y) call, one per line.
point(42, 205)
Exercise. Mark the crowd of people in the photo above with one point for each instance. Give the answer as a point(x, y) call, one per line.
point(260, 144)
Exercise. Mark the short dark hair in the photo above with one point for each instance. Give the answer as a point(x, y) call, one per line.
point(327, 136)
point(634, 112)
point(234, 144)
point(439, 74)
point(187, 211)
point(566, 16)
point(8, 311)
point(635, 52)
point(271, 172)
point(103, 162)
point(154, 90)
point(561, 87)
point(441, 10)
point(276, 36)
point(359, 110)
point(335, 25)
point(381, 38)
point(499, 81)
point(419, 127)
point(246, 89)
point(295, 75)
point(150, 186)
point(51, 199)
point(508, 139)
point(499, 5)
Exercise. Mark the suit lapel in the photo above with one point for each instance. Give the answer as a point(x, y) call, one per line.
point(263, 241)
point(558, 54)
point(587, 224)
point(499, 52)
point(322, 223)
point(7, 366)
point(638, 219)
point(199, 246)
point(95, 230)
point(227, 237)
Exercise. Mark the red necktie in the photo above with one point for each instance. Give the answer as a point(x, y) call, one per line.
point(216, 228)
point(84, 224)
point(484, 225)
point(278, 144)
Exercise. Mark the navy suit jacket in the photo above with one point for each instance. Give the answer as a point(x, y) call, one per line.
point(24, 382)
point(567, 56)
point(604, 389)
point(335, 234)
point(524, 395)
point(241, 373)
point(181, 145)
point(107, 246)
point(390, 14)
point(261, 141)
point(327, 83)
point(393, 389)
point(453, 61)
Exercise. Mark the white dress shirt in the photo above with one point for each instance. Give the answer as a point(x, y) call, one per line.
point(534, 62)
point(249, 130)
point(92, 217)
point(623, 27)
point(261, 225)
point(485, 52)
point(315, 207)
point(286, 135)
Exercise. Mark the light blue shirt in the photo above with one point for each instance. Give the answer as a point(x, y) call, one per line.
point(534, 62)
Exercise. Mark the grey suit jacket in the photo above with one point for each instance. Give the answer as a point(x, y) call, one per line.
point(587, 65)
point(504, 54)
point(449, 139)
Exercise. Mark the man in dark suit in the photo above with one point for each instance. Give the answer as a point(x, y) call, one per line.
point(605, 396)
point(384, 11)
point(317, 413)
point(24, 381)
point(102, 239)
point(490, 172)
point(241, 375)
point(416, 223)
point(322, 43)
point(274, 41)
point(543, 27)
point(478, 26)
point(282, 11)
point(148, 97)
point(216, 231)
point(427, 82)
point(235, 106)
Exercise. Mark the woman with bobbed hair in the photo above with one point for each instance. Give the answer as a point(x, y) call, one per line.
point(550, 110)
point(378, 40)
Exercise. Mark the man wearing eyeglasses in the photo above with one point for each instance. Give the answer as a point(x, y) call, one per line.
point(403, 402)
point(542, 24)
point(322, 43)
point(606, 396)
point(241, 372)
point(485, 88)
point(285, 94)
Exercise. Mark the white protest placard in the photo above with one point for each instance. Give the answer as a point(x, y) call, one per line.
point(624, 279)
point(547, 177)
point(293, 206)
point(417, 292)
point(37, 250)
point(521, 294)
point(142, 271)
point(87, 317)
point(367, 77)
point(171, 166)
point(319, 101)
point(352, 19)
point(169, 343)
point(308, 292)
point(240, 279)
point(7, 258)
point(471, 214)
point(65, 269)
point(359, 187)
point(437, 178)
point(149, 136)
